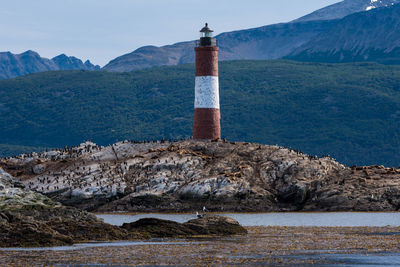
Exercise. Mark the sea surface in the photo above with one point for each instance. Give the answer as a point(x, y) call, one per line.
point(332, 219)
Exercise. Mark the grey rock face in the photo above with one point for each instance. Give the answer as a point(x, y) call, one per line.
point(13, 195)
point(29, 218)
point(14, 65)
point(187, 175)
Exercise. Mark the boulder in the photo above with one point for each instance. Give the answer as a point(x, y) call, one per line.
point(208, 225)
point(152, 227)
point(215, 225)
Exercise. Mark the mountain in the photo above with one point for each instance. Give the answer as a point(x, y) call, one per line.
point(364, 36)
point(314, 107)
point(13, 65)
point(345, 8)
point(151, 56)
point(267, 42)
point(64, 62)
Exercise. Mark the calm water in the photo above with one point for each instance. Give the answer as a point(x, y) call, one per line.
point(277, 219)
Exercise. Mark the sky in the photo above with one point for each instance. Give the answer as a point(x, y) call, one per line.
point(101, 30)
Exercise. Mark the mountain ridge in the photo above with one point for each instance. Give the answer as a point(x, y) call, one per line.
point(364, 36)
point(14, 65)
point(262, 43)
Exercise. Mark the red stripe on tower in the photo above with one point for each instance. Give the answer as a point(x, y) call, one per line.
point(206, 121)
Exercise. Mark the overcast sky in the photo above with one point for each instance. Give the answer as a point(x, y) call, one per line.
point(100, 30)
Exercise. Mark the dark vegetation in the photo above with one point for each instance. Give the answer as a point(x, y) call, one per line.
point(349, 111)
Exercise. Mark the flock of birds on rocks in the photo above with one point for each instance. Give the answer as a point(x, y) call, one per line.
point(139, 168)
point(89, 169)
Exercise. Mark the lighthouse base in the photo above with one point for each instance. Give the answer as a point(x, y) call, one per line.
point(206, 123)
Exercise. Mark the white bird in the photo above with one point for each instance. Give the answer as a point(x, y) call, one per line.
point(199, 215)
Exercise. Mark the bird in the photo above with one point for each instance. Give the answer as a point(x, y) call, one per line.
point(199, 215)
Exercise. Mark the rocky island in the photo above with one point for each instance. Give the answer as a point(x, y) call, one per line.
point(30, 219)
point(184, 176)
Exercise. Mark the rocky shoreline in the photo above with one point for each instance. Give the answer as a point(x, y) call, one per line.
point(184, 176)
point(29, 219)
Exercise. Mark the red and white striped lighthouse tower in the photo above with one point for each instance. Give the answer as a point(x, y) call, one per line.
point(206, 121)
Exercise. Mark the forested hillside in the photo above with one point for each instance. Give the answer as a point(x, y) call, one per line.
point(350, 111)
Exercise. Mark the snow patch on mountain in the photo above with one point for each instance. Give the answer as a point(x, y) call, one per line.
point(380, 3)
point(345, 8)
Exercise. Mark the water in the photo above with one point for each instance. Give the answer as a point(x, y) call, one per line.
point(332, 219)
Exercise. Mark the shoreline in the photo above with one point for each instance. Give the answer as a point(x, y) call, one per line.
point(351, 230)
point(236, 212)
point(262, 245)
point(318, 219)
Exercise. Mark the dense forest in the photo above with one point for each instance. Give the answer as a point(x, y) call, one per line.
point(349, 111)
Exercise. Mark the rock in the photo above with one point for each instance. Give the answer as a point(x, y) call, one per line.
point(215, 225)
point(39, 169)
point(296, 194)
point(185, 176)
point(21, 231)
point(208, 225)
point(152, 228)
point(30, 219)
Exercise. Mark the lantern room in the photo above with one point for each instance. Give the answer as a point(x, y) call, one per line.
point(206, 37)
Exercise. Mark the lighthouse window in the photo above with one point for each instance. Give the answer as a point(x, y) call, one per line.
point(206, 34)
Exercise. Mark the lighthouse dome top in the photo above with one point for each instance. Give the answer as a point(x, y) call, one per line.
point(206, 32)
point(206, 29)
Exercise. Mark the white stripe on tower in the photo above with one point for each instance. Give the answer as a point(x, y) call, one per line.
point(206, 92)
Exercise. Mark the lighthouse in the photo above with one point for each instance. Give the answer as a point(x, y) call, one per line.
point(207, 116)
